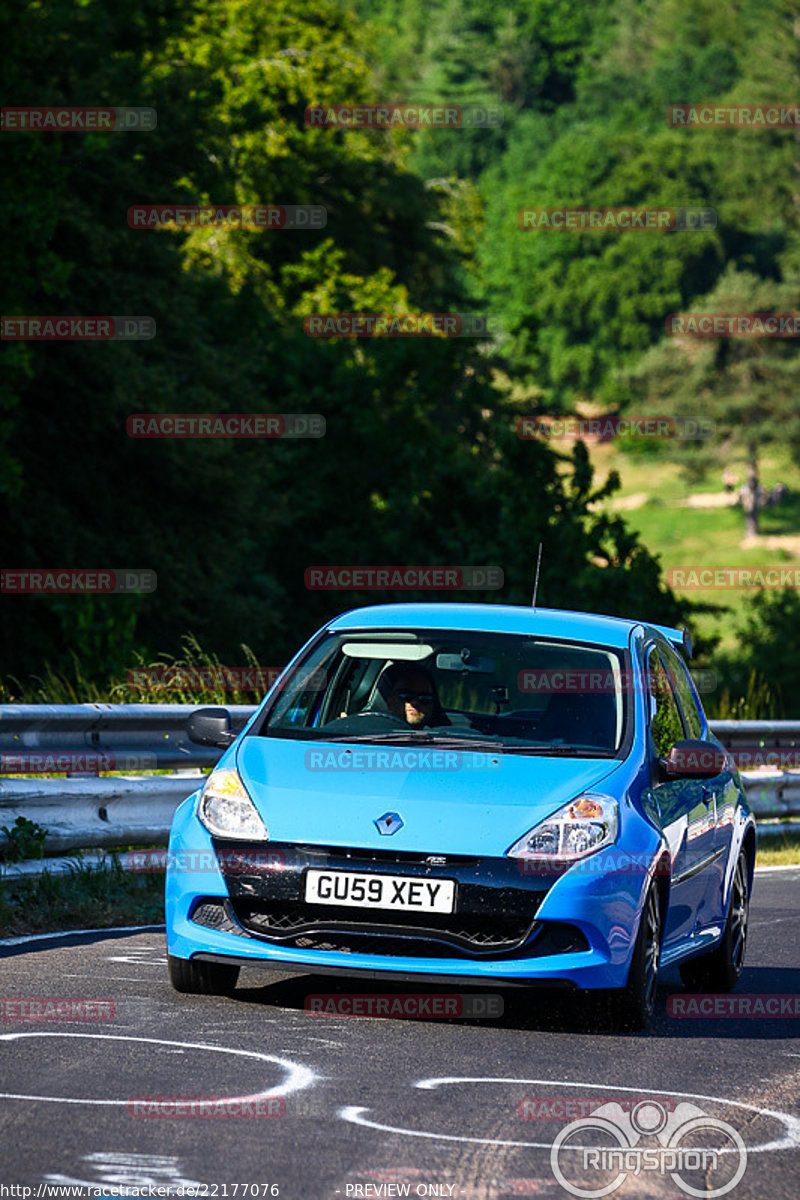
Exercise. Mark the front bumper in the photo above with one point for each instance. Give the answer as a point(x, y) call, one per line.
point(244, 903)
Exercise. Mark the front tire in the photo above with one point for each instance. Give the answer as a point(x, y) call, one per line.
point(630, 1008)
point(720, 968)
point(201, 978)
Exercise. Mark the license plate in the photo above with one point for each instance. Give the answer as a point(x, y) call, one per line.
point(398, 892)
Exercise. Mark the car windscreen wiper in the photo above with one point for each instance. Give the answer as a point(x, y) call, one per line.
point(546, 749)
point(399, 738)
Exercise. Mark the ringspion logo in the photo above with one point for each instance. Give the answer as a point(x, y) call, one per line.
point(594, 1155)
point(76, 120)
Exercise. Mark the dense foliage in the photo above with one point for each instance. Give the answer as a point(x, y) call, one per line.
point(420, 463)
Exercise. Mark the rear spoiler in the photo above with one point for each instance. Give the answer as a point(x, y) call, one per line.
point(680, 638)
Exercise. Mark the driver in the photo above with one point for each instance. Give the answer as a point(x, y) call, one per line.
point(410, 694)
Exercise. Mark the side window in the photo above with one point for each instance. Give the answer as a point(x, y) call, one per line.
point(692, 714)
point(666, 725)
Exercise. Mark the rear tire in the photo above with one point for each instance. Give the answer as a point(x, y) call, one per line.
point(631, 1007)
point(201, 978)
point(720, 968)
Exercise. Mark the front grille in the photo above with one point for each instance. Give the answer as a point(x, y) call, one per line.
point(290, 922)
point(537, 939)
point(213, 913)
point(495, 903)
point(400, 858)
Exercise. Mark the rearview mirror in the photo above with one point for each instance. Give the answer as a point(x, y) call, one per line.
point(210, 727)
point(465, 661)
point(692, 758)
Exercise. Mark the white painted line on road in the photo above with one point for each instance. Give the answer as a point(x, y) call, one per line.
point(65, 933)
point(140, 956)
point(354, 1113)
point(297, 1077)
point(785, 867)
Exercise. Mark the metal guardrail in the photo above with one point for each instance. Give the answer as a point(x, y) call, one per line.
point(86, 810)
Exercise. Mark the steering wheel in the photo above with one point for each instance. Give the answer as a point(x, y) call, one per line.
point(375, 714)
point(372, 714)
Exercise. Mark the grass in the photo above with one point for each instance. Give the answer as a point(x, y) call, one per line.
point(87, 898)
point(704, 537)
point(197, 677)
point(783, 851)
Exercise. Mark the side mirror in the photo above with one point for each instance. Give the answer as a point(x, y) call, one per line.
point(692, 758)
point(210, 727)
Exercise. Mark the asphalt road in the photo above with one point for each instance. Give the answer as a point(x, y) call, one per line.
point(369, 1107)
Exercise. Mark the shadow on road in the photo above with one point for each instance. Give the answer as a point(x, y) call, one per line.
point(544, 1010)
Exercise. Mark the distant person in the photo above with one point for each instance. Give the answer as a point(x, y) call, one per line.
point(728, 479)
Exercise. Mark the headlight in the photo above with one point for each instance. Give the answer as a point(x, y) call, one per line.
point(577, 829)
point(226, 809)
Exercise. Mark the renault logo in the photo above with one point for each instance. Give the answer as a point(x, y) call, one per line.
point(389, 823)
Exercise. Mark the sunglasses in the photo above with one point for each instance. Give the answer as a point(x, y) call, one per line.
point(410, 697)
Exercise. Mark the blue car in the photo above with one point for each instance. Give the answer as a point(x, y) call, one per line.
point(469, 794)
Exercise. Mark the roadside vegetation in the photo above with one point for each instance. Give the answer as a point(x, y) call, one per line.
point(89, 897)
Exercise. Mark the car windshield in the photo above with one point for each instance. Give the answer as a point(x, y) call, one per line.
point(500, 691)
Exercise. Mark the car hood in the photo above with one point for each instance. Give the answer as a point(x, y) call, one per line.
point(459, 807)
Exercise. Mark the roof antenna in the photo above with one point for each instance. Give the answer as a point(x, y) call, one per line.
point(536, 582)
